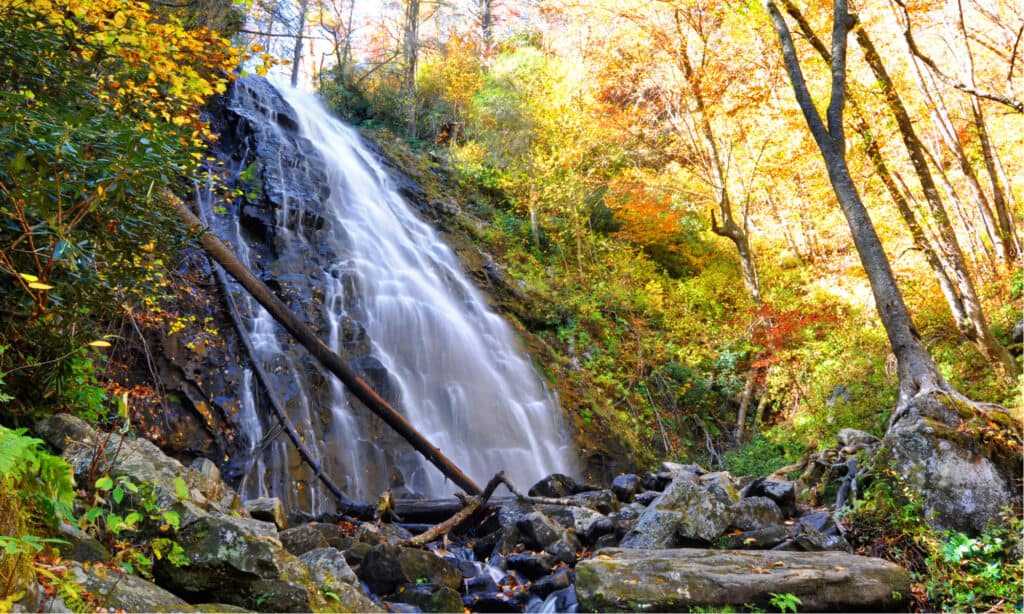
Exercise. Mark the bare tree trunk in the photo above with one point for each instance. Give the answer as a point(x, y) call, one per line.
point(1000, 201)
point(975, 327)
point(299, 36)
point(410, 53)
point(487, 25)
point(917, 372)
point(328, 358)
point(741, 415)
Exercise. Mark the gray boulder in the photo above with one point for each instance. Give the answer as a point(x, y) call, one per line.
point(626, 486)
point(571, 517)
point(755, 513)
point(267, 509)
point(965, 461)
point(782, 492)
point(681, 579)
point(117, 590)
point(337, 585)
point(228, 561)
point(538, 531)
point(684, 508)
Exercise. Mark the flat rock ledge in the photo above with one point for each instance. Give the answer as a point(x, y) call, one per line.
point(618, 579)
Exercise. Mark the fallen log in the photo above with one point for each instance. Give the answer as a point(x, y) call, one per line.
point(334, 363)
point(433, 511)
point(471, 507)
point(346, 505)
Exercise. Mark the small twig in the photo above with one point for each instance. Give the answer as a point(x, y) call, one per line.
point(534, 500)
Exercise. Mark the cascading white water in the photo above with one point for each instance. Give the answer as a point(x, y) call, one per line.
point(456, 368)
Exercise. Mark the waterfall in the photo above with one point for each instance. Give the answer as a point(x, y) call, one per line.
point(332, 235)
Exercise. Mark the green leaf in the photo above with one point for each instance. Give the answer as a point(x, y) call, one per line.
point(132, 519)
point(104, 484)
point(181, 488)
point(172, 518)
point(117, 495)
point(114, 523)
point(93, 514)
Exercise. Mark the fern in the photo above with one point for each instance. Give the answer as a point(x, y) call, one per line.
point(45, 479)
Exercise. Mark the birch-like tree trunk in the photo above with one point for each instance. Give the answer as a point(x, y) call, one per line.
point(916, 371)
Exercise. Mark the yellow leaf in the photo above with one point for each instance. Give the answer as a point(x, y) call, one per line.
point(28, 277)
point(99, 343)
point(38, 285)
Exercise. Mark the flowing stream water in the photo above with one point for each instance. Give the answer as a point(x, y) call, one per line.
point(447, 362)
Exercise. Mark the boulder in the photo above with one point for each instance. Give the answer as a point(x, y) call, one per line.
point(140, 461)
point(538, 530)
point(336, 583)
point(682, 579)
point(855, 439)
point(303, 538)
point(571, 517)
point(116, 590)
point(77, 545)
point(268, 509)
point(965, 461)
point(386, 567)
point(532, 565)
point(555, 485)
point(232, 560)
point(602, 501)
point(328, 566)
point(625, 487)
point(782, 492)
point(429, 598)
point(557, 581)
point(754, 513)
point(721, 486)
point(602, 525)
point(684, 508)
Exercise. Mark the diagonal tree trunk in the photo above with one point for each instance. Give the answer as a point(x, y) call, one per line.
point(328, 358)
point(916, 370)
point(948, 260)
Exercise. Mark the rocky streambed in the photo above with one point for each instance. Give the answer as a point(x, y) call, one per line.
point(670, 540)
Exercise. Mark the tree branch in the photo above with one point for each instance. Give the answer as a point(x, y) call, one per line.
point(1013, 103)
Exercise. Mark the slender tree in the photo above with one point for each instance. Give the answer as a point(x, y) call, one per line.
point(917, 373)
point(410, 56)
point(944, 255)
point(300, 29)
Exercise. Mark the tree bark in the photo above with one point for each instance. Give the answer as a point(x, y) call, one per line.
point(487, 25)
point(917, 372)
point(328, 358)
point(948, 260)
point(410, 53)
point(297, 49)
